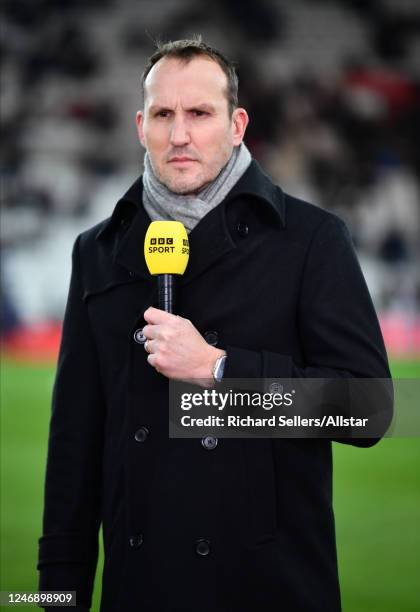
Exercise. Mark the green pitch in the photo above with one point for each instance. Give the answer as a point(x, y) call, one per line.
point(376, 492)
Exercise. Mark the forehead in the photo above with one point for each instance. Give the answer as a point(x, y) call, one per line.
point(172, 77)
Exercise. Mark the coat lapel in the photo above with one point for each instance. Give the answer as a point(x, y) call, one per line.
point(210, 240)
point(130, 253)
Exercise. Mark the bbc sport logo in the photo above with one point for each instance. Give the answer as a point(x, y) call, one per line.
point(161, 241)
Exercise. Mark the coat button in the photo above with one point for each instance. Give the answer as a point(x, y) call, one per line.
point(202, 547)
point(242, 229)
point(139, 337)
point(209, 442)
point(275, 387)
point(136, 540)
point(141, 434)
point(211, 337)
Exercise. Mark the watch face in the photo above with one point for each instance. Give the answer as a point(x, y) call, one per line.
point(219, 369)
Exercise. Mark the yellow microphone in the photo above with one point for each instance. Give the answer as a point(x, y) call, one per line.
point(166, 250)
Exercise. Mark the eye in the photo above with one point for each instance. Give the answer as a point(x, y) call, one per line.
point(199, 113)
point(162, 113)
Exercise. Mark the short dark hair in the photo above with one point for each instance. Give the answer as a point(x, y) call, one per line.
point(185, 50)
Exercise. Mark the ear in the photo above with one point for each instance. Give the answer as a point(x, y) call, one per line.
point(240, 120)
point(139, 122)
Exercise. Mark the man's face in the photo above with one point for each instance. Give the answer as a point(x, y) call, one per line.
point(185, 125)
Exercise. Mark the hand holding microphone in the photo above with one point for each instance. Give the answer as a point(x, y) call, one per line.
point(176, 348)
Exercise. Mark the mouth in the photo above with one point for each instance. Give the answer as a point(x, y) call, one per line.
point(181, 160)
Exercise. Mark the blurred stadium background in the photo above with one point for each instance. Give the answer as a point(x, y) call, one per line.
point(333, 92)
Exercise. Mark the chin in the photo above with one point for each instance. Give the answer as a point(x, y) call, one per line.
point(185, 190)
point(185, 187)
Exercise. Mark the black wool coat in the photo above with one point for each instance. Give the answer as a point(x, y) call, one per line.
point(190, 526)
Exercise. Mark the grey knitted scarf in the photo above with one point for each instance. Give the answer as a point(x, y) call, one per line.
point(162, 204)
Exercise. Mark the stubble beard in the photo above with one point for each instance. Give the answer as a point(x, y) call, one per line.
point(185, 186)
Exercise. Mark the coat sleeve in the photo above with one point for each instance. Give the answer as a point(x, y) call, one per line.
point(68, 548)
point(338, 327)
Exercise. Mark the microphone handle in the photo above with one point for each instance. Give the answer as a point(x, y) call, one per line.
point(166, 292)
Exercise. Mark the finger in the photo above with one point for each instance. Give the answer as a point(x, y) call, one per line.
point(151, 359)
point(150, 331)
point(154, 332)
point(155, 316)
point(152, 346)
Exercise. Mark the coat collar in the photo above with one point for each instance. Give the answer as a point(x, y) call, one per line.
point(209, 240)
point(255, 183)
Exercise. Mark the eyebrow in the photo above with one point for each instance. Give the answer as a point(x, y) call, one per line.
point(209, 108)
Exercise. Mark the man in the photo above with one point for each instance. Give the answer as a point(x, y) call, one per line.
point(272, 289)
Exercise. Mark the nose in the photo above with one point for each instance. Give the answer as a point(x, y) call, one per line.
point(179, 133)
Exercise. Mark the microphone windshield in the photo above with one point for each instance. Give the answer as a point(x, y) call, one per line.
point(166, 247)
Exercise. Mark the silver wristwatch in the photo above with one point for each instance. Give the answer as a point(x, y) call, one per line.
point(219, 368)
